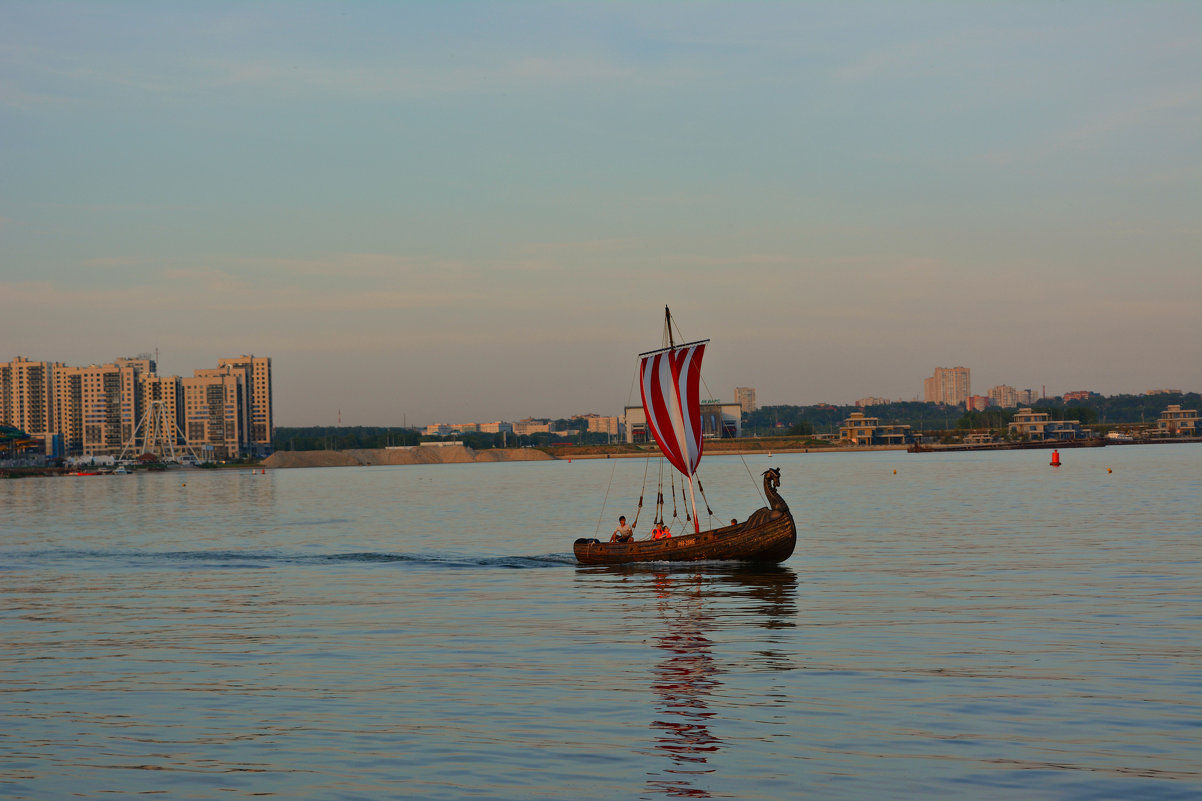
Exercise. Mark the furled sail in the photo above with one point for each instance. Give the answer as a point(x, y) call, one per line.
point(671, 388)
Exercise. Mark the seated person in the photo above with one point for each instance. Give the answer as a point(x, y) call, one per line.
point(623, 533)
point(660, 531)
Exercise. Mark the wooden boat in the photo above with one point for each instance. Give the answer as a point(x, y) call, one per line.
point(670, 388)
point(769, 535)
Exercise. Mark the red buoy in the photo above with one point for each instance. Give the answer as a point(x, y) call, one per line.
point(1055, 458)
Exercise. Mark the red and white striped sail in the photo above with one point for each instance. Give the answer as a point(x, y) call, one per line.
point(671, 387)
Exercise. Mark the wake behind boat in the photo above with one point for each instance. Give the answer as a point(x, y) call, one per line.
point(670, 388)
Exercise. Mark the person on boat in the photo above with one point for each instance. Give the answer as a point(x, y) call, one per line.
point(660, 531)
point(623, 533)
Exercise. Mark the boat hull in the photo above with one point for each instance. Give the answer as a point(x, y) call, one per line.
point(769, 535)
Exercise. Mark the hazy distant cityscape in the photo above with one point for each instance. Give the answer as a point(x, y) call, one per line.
point(124, 409)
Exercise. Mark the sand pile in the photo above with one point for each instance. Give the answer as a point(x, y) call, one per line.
point(447, 454)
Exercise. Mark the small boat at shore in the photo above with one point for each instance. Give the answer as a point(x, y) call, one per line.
point(670, 388)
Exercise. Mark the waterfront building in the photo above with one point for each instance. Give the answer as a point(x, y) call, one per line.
point(949, 386)
point(256, 378)
point(95, 410)
point(745, 397)
point(1177, 422)
point(859, 429)
point(1004, 396)
point(25, 397)
point(1029, 424)
point(215, 418)
point(66, 399)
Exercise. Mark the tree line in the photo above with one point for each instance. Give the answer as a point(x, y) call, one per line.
point(825, 418)
point(337, 438)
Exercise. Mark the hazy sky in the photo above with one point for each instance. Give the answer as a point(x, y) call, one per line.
point(477, 211)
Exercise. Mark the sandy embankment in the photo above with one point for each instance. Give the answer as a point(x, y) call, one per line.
point(449, 454)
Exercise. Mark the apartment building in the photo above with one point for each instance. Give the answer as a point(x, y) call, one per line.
point(745, 397)
point(25, 400)
point(1004, 396)
point(950, 386)
point(256, 377)
point(96, 410)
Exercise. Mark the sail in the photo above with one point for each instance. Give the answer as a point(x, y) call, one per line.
point(671, 388)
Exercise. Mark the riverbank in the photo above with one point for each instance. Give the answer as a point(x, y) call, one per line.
point(448, 454)
point(461, 454)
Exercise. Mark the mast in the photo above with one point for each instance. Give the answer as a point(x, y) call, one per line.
point(668, 327)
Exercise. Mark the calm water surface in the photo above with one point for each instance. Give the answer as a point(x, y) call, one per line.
point(971, 625)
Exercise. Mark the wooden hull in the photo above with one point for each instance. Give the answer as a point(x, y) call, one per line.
point(769, 535)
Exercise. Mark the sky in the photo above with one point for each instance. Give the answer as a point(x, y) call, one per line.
point(475, 211)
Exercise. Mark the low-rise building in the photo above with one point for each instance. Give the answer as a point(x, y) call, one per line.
point(1029, 424)
point(977, 403)
point(861, 430)
point(532, 426)
point(1177, 422)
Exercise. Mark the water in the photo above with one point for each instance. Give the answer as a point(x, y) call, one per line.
point(973, 625)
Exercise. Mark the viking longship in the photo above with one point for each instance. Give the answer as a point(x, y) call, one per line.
point(670, 382)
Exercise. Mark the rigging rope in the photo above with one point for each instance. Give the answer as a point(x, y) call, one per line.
point(708, 510)
point(614, 467)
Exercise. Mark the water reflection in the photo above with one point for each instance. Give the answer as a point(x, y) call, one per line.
point(690, 603)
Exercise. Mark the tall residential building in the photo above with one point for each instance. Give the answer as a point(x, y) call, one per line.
point(95, 410)
point(67, 406)
point(257, 377)
point(25, 396)
point(1027, 397)
point(111, 403)
point(1004, 396)
point(949, 386)
point(215, 412)
point(745, 397)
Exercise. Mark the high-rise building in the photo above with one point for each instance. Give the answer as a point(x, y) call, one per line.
point(949, 386)
point(257, 378)
point(1004, 396)
point(96, 410)
point(25, 396)
point(215, 412)
point(745, 397)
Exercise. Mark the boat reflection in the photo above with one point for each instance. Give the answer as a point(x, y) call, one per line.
point(687, 675)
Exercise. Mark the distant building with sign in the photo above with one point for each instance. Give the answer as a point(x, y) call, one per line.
point(718, 421)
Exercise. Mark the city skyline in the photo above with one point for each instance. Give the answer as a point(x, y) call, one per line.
point(478, 211)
